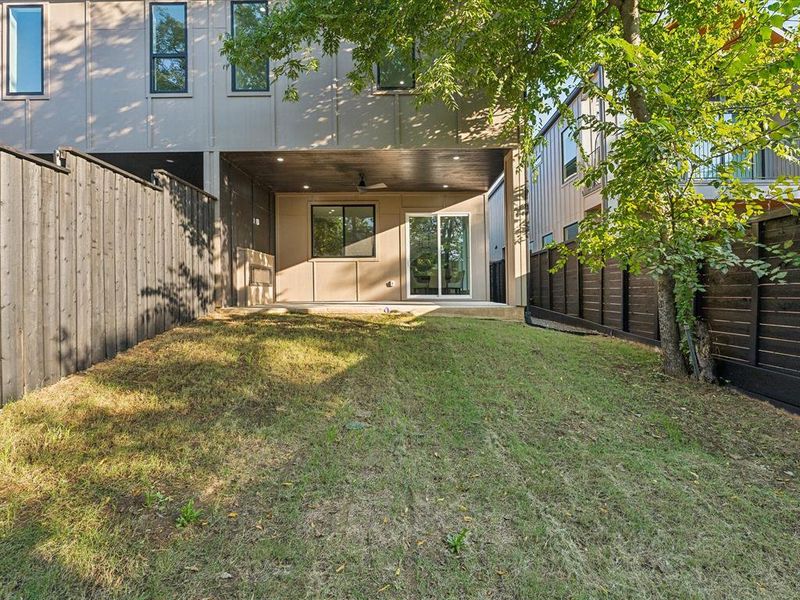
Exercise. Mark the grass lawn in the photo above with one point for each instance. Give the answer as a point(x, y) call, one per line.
point(333, 457)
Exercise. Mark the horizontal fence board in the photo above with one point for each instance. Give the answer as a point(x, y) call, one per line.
point(755, 323)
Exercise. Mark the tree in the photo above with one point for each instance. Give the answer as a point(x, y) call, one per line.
point(691, 85)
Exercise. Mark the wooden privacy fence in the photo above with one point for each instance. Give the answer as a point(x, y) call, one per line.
point(93, 260)
point(754, 325)
point(497, 281)
point(611, 299)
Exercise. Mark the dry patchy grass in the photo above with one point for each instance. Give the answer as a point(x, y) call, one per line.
point(331, 457)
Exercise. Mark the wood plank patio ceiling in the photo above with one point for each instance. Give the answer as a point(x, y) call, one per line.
point(401, 170)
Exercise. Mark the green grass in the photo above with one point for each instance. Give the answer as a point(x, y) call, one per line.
point(334, 457)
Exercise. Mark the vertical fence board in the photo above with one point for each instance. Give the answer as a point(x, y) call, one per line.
point(120, 260)
point(169, 285)
point(50, 278)
point(67, 272)
point(150, 246)
point(109, 262)
point(98, 330)
point(32, 275)
point(193, 249)
point(11, 233)
point(83, 264)
point(132, 263)
point(141, 262)
point(180, 246)
point(158, 242)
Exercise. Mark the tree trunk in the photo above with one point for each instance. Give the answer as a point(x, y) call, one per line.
point(631, 33)
point(672, 358)
point(673, 361)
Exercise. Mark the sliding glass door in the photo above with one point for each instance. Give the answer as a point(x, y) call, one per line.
point(438, 255)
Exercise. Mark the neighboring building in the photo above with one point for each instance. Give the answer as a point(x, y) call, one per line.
point(557, 204)
point(142, 85)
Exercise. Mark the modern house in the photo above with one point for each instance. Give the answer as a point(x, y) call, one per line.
point(336, 197)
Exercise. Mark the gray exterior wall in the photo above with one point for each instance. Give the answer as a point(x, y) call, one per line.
point(497, 223)
point(97, 95)
point(555, 203)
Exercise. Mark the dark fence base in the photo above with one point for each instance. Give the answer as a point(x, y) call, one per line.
point(549, 315)
point(497, 281)
point(779, 388)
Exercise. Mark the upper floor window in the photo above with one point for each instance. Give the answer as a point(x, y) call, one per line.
point(168, 48)
point(547, 239)
point(569, 155)
point(25, 50)
point(571, 232)
point(245, 17)
point(396, 71)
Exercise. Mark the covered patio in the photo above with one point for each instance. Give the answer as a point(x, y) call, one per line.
point(388, 227)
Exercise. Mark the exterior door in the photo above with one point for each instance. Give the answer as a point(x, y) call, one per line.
point(438, 255)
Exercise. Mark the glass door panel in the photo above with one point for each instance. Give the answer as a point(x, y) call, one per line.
point(438, 255)
point(454, 255)
point(423, 256)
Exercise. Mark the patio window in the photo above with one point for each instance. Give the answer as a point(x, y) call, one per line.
point(168, 42)
point(569, 155)
point(246, 15)
point(25, 50)
point(396, 70)
point(343, 231)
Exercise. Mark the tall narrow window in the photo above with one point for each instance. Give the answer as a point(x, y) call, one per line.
point(245, 18)
point(569, 155)
point(25, 50)
point(396, 71)
point(168, 43)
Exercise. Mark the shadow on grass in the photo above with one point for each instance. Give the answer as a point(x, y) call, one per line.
point(199, 413)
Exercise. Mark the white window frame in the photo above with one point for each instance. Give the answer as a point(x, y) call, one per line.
point(407, 256)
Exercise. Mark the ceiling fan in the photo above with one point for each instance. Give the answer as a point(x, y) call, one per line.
point(363, 187)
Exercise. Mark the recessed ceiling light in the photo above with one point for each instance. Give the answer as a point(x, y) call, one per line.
point(456, 158)
point(306, 186)
point(280, 159)
point(445, 186)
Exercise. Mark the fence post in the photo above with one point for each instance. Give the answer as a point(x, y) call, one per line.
point(566, 288)
point(549, 281)
point(602, 295)
point(625, 300)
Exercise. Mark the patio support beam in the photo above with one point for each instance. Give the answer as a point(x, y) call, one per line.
point(516, 215)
